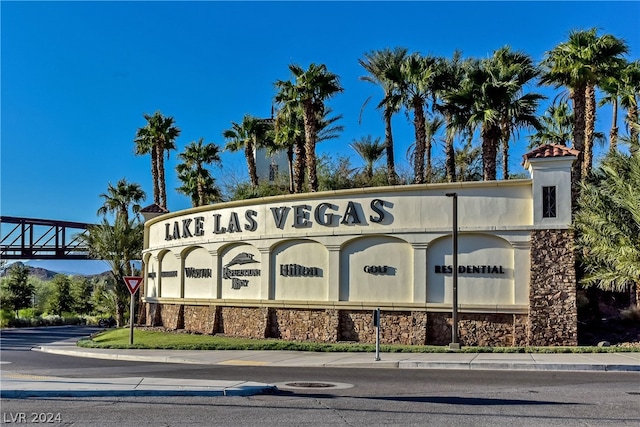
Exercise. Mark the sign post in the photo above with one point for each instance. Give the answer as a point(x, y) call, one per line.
point(454, 345)
point(376, 323)
point(133, 283)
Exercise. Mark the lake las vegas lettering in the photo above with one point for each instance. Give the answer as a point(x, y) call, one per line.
point(299, 216)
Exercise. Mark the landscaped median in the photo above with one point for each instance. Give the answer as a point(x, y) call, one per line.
point(167, 340)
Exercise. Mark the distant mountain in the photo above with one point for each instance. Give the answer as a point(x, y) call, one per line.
point(46, 274)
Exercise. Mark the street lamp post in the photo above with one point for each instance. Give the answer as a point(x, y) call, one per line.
point(454, 345)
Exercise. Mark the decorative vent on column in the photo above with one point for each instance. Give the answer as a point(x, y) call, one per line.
point(549, 202)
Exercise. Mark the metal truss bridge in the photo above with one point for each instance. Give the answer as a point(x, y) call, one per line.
point(28, 238)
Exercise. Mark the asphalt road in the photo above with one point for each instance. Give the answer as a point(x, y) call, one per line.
point(358, 397)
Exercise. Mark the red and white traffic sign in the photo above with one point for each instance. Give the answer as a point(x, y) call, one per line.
point(133, 283)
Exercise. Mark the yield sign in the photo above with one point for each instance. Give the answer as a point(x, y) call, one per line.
point(133, 283)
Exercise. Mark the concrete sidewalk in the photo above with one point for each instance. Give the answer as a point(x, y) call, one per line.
point(23, 386)
point(488, 361)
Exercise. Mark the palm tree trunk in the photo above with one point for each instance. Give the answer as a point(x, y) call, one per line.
point(427, 150)
point(388, 143)
point(251, 164)
point(578, 97)
point(300, 165)
point(290, 163)
point(310, 145)
point(490, 140)
point(632, 117)
point(200, 192)
point(613, 133)
point(589, 129)
point(162, 185)
point(154, 175)
point(506, 136)
point(450, 161)
point(420, 134)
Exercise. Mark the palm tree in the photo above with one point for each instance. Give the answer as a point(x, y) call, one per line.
point(155, 138)
point(519, 109)
point(195, 156)
point(249, 135)
point(492, 98)
point(289, 135)
point(431, 127)
point(449, 74)
point(629, 98)
point(414, 81)
point(477, 104)
point(120, 198)
point(580, 63)
point(199, 187)
point(556, 126)
point(381, 65)
point(309, 90)
point(370, 150)
point(607, 224)
point(117, 245)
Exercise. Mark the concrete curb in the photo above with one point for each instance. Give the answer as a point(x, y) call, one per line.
point(467, 361)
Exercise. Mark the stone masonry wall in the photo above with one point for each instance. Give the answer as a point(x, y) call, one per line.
point(553, 316)
point(494, 330)
point(199, 318)
point(304, 325)
point(248, 322)
point(407, 328)
point(330, 325)
point(172, 316)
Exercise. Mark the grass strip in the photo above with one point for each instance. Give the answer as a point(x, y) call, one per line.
point(119, 339)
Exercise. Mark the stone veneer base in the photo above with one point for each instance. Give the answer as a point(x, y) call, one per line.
point(332, 325)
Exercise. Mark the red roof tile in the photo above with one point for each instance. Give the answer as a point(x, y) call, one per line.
point(155, 208)
point(551, 150)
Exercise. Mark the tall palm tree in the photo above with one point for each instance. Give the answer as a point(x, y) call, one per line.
point(449, 74)
point(579, 64)
point(517, 70)
point(556, 126)
point(431, 127)
point(117, 245)
point(199, 187)
point(194, 158)
point(629, 98)
point(156, 137)
point(414, 81)
point(289, 135)
point(309, 90)
point(381, 65)
point(249, 135)
point(370, 150)
point(492, 98)
point(120, 198)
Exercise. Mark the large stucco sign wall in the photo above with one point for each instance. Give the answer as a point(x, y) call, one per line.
point(353, 250)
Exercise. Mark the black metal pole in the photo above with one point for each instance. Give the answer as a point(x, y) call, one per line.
point(454, 238)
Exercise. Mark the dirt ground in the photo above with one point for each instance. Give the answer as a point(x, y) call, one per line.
point(601, 318)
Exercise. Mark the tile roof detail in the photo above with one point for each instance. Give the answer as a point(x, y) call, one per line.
point(154, 208)
point(551, 150)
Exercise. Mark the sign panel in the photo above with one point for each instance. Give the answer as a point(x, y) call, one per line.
point(133, 283)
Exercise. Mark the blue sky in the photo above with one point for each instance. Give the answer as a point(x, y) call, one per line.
point(78, 76)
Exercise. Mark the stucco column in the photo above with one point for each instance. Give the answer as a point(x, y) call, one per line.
point(217, 276)
point(180, 259)
point(265, 274)
point(420, 272)
point(333, 279)
point(521, 272)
